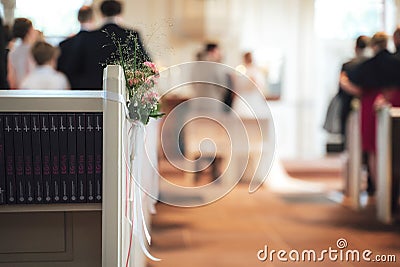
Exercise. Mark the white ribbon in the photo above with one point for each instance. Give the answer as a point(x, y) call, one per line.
point(136, 142)
point(111, 96)
point(136, 150)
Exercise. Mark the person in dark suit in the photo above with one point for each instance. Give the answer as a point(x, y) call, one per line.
point(3, 58)
point(70, 46)
point(375, 80)
point(340, 107)
point(96, 47)
point(346, 98)
point(362, 43)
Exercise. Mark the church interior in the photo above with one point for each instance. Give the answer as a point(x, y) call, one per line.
point(292, 191)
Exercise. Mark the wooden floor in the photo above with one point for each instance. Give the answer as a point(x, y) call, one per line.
point(231, 231)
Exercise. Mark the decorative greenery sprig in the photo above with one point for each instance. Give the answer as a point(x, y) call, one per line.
point(140, 75)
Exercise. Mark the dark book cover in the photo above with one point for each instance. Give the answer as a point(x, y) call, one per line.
point(55, 157)
point(98, 156)
point(81, 156)
point(9, 156)
point(37, 159)
point(46, 157)
point(90, 162)
point(19, 159)
point(28, 165)
point(63, 145)
point(72, 161)
point(2, 164)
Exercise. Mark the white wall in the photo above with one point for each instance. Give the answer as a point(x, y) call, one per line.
point(174, 30)
point(272, 29)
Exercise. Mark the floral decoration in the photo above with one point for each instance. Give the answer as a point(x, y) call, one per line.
point(140, 75)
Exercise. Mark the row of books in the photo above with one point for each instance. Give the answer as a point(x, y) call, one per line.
point(51, 158)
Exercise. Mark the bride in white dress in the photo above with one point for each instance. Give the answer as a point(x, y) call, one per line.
point(250, 103)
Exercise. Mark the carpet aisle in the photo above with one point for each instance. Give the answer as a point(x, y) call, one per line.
point(232, 230)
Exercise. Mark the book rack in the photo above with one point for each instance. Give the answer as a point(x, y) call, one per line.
point(78, 234)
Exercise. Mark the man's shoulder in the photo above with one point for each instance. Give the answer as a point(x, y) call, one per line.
point(75, 38)
point(354, 63)
point(67, 42)
point(118, 29)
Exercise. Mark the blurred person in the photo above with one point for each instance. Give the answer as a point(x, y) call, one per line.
point(96, 47)
point(8, 37)
point(396, 41)
point(391, 96)
point(214, 75)
point(70, 46)
point(212, 53)
point(3, 57)
point(44, 76)
point(200, 56)
point(8, 44)
point(248, 87)
point(340, 106)
point(250, 105)
point(377, 77)
point(39, 36)
point(210, 81)
point(252, 70)
point(20, 61)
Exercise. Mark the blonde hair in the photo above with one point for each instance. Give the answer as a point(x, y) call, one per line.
point(380, 39)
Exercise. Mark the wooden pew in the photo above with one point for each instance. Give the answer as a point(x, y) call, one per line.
point(83, 234)
point(352, 177)
point(388, 167)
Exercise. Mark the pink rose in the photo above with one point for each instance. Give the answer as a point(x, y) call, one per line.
point(151, 65)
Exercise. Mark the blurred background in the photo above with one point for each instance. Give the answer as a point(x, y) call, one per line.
point(299, 44)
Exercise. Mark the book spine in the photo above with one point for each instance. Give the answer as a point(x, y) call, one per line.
point(81, 156)
point(37, 159)
point(27, 145)
point(55, 157)
point(2, 164)
point(46, 158)
point(63, 145)
point(90, 163)
point(9, 156)
point(72, 163)
point(98, 155)
point(19, 159)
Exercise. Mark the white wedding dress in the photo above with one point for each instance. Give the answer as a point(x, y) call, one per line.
point(250, 103)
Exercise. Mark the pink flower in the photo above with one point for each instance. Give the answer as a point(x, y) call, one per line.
point(149, 82)
point(139, 74)
point(152, 80)
point(151, 65)
point(150, 97)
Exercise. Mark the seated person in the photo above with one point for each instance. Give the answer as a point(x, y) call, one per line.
point(44, 76)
